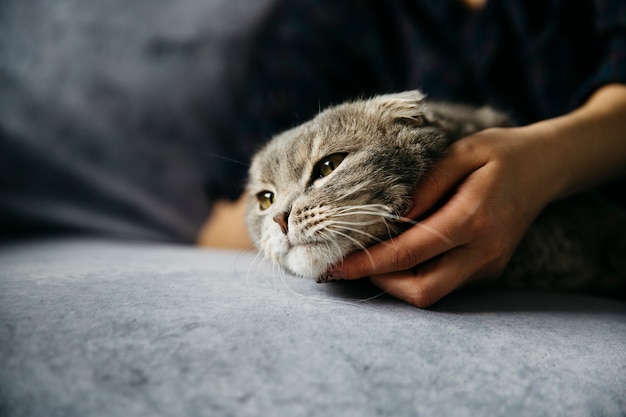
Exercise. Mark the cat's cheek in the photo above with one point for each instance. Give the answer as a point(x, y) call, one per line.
point(310, 261)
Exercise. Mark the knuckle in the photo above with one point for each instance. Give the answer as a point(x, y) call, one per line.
point(498, 265)
point(405, 258)
point(478, 223)
point(462, 147)
point(421, 297)
point(358, 270)
point(495, 258)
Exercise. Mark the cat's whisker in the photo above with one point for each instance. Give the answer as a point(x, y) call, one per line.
point(357, 223)
point(267, 258)
point(385, 220)
point(355, 189)
point(226, 158)
point(272, 279)
point(332, 226)
point(425, 227)
point(381, 216)
point(358, 244)
point(394, 218)
point(378, 210)
point(252, 264)
point(360, 206)
point(352, 239)
point(375, 207)
point(368, 299)
point(307, 297)
point(363, 213)
point(338, 247)
point(328, 238)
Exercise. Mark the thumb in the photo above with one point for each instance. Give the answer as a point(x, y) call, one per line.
point(441, 178)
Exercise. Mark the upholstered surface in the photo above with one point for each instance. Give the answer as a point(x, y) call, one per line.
point(106, 328)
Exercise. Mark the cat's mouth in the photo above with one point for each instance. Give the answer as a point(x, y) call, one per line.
point(294, 240)
point(311, 260)
point(304, 245)
point(314, 239)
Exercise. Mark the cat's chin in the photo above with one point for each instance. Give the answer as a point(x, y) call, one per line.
point(310, 261)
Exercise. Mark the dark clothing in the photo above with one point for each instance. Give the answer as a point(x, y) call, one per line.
point(534, 59)
point(150, 142)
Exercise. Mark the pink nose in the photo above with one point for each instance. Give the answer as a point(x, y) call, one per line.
point(282, 219)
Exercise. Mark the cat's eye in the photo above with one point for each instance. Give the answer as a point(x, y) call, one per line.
point(327, 165)
point(266, 199)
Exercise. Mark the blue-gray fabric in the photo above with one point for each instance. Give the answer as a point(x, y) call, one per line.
point(106, 328)
point(115, 116)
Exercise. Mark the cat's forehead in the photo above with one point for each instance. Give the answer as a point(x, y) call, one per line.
point(341, 128)
point(291, 156)
point(287, 156)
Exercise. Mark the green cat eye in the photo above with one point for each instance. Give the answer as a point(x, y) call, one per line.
point(266, 199)
point(328, 165)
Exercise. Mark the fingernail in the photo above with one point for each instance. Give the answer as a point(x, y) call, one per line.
point(331, 275)
point(405, 210)
point(409, 206)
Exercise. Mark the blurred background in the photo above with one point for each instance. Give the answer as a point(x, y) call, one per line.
point(116, 116)
point(132, 118)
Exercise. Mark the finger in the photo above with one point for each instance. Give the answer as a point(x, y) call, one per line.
point(441, 178)
point(442, 231)
point(430, 282)
point(403, 252)
point(454, 224)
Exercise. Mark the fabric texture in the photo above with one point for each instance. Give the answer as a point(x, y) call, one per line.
point(106, 328)
point(534, 60)
point(115, 117)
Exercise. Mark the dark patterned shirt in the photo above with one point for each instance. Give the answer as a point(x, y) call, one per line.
point(534, 59)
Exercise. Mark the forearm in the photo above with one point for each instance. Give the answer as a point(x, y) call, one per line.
point(588, 145)
point(226, 226)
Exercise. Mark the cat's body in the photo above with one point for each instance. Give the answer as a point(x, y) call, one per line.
point(340, 182)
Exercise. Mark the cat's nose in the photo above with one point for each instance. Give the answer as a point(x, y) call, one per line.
point(282, 218)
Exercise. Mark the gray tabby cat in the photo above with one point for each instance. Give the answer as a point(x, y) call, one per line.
point(340, 182)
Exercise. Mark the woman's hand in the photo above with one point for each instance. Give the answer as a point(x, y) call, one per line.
point(491, 186)
point(495, 195)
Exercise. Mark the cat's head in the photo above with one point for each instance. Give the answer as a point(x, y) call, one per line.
point(337, 183)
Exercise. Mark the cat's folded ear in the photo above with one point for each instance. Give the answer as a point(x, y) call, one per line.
point(407, 107)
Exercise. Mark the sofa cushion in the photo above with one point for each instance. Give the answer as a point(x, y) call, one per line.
point(110, 328)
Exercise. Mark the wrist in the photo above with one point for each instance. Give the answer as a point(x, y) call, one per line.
point(551, 160)
point(587, 146)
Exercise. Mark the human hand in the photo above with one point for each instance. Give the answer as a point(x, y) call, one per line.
point(495, 183)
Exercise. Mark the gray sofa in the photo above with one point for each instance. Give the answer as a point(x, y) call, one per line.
point(92, 327)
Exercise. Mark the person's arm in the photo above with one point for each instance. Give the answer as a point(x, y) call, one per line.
point(226, 226)
point(500, 180)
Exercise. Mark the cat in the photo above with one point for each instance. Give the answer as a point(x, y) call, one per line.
point(341, 181)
